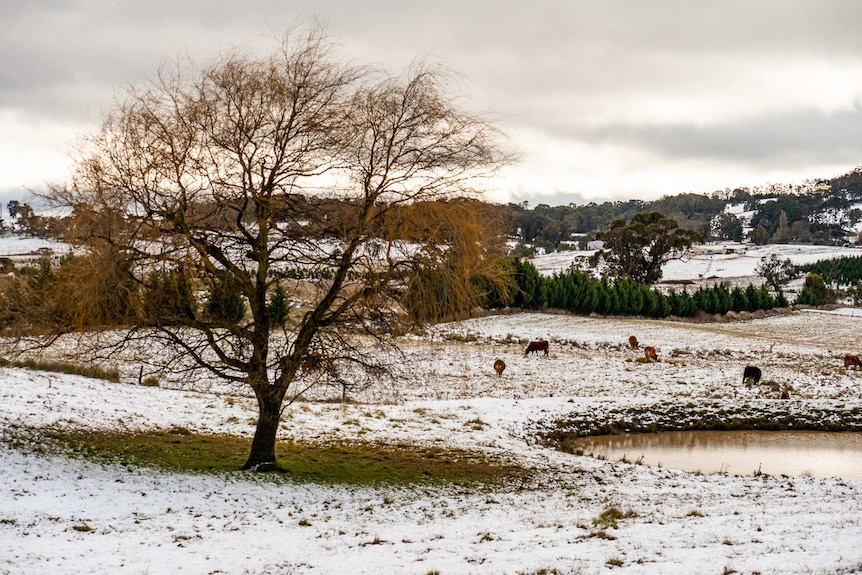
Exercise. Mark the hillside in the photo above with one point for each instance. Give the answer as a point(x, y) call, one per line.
point(64, 515)
point(822, 211)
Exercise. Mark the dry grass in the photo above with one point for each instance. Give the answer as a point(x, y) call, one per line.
point(94, 371)
point(610, 517)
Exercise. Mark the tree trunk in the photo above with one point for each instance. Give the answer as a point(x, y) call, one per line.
point(262, 456)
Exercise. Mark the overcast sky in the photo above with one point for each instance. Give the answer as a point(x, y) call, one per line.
point(604, 99)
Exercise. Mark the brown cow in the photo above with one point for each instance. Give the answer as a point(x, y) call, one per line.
point(536, 347)
point(633, 342)
point(312, 362)
point(852, 361)
point(499, 367)
point(650, 353)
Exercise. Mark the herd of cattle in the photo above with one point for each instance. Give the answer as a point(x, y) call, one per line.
point(750, 373)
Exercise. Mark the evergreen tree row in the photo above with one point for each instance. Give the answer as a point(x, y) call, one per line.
point(580, 293)
point(839, 271)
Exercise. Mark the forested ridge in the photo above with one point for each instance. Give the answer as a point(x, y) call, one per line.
point(819, 211)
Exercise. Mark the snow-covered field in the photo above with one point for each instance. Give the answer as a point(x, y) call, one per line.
point(149, 522)
point(25, 247)
point(710, 263)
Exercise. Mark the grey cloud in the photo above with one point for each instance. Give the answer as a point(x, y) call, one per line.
point(560, 198)
point(782, 139)
point(529, 63)
point(506, 45)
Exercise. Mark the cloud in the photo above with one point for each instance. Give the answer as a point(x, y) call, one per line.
point(606, 97)
point(782, 139)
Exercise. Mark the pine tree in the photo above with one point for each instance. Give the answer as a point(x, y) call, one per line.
point(814, 291)
point(740, 300)
point(226, 302)
point(531, 286)
point(278, 306)
point(766, 299)
point(753, 297)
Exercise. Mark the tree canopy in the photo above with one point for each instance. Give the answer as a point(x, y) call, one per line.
point(280, 204)
point(638, 249)
point(777, 272)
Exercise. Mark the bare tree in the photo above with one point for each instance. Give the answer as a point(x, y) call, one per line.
point(294, 172)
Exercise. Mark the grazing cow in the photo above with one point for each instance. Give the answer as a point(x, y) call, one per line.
point(536, 347)
point(852, 361)
point(312, 362)
point(633, 342)
point(752, 373)
point(650, 353)
point(499, 367)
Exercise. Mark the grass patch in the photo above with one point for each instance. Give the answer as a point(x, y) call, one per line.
point(96, 372)
point(353, 463)
point(610, 517)
point(151, 381)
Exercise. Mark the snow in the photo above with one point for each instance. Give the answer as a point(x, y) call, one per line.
point(154, 522)
point(146, 521)
point(710, 263)
point(740, 212)
point(26, 247)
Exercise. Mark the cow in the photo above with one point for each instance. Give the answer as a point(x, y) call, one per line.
point(312, 362)
point(650, 353)
point(633, 342)
point(499, 367)
point(852, 361)
point(751, 373)
point(536, 347)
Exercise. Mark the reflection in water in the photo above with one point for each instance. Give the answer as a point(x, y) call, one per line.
point(816, 453)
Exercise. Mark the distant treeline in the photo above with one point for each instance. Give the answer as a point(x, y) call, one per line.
point(580, 293)
point(820, 212)
point(846, 271)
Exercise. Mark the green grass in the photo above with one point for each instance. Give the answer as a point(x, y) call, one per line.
point(611, 516)
point(332, 463)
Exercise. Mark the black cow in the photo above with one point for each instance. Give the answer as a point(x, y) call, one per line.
point(751, 372)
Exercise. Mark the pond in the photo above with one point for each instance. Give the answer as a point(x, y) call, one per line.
point(814, 453)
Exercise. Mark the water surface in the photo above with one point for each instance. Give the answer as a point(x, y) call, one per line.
point(815, 453)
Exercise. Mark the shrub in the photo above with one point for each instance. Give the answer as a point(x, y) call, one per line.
point(814, 291)
point(150, 381)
